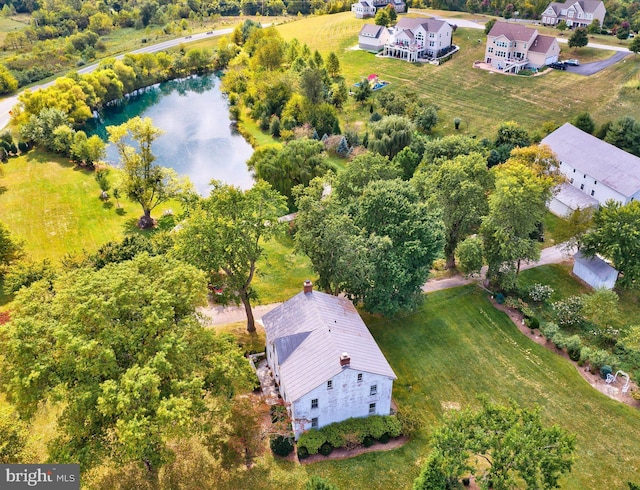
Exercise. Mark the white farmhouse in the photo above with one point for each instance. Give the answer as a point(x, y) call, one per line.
point(325, 360)
point(596, 171)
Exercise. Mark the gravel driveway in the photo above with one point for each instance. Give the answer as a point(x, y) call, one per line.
point(591, 68)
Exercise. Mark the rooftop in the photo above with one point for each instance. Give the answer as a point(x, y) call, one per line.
point(512, 31)
point(604, 162)
point(310, 332)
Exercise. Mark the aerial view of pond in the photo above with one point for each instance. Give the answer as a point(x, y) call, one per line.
point(198, 140)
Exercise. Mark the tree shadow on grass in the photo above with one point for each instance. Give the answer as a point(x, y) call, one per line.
point(3, 189)
point(121, 211)
point(107, 205)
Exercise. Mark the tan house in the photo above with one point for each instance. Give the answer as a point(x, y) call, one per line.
point(513, 47)
point(422, 38)
point(575, 14)
point(368, 8)
point(373, 37)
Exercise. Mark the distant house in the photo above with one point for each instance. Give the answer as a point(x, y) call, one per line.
point(596, 171)
point(373, 37)
point(420, 38)
point(594, 271)
point(575, 14)
point(325, 361)
point(513, 47)
point(368, 8)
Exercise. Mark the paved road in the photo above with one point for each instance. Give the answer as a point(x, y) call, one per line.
point(222, 315)
point(7, 104)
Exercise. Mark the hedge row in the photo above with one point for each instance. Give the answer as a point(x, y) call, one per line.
point(350, 431)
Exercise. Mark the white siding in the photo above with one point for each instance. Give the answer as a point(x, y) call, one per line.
point(346, 399)
point(588, 184)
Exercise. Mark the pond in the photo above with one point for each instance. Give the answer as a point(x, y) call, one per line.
point(198, 140)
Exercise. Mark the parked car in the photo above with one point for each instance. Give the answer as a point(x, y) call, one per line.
point(572, 62)
point(558, 66)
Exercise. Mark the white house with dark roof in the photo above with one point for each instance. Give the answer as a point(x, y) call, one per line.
point(513, 47)
point(575, 14)
point(325, 361)
point(368, 8)
point(373, 37)
point(419, 38)
point(596, 171)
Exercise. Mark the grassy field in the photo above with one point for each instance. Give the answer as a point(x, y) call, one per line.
point(13, 24)
point(453, 348)
point(481, 99)
point(54, 207)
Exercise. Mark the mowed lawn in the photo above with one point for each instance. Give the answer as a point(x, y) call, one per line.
point(453, 348)
point(481, 99)
point(55, 207)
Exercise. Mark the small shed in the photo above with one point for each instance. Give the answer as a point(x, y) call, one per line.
point(594, 271)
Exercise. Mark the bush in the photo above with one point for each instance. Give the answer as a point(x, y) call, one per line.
point(600, 358)
point(533, 323)
point(411, 421)
point(559, 340)
point(369, 441)
point(540, 292)
point(568, 312)
point(605, 371)
point(573, 345)
point(549, 330)
point(312, 440)
point(384, 438)
point(281, 445)
point(303, 452)
point(26, 272)
point(326, 449)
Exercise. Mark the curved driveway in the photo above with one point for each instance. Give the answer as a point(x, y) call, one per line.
point(7, 104)
point(596, 66)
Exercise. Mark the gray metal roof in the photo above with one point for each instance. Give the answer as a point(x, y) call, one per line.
point(512, 31)
point(312, 330)
point(604, 162)
point(596, 265)
point(429, 24)
point(371, 30)
point(574, 198)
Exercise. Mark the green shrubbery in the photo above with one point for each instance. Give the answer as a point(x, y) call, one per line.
point(354, 431)
point(281, 445)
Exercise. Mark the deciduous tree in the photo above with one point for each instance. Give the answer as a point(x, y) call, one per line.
point(515, 448)
point(10, 250)
point(459, 189)
point(226, 232)
point(123, 353)
point(390, 135)
point(615, 236)
point(579, 38)
point(145, 183)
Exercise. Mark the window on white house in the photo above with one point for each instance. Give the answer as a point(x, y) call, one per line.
point(329, 385)
point(574, 170)
point(593, 192)
point(359, 377)
point(373, 390)
point(372, 408)
point(585, 176)
point(581, 187)
point(314, 403)
point(571, 181)
point(595, 182)
point(314, 423)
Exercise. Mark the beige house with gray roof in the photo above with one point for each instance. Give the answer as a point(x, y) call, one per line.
point(575, 14)
point(325, 361)
point(596, 171)
point(373, 37)
point(513, 47)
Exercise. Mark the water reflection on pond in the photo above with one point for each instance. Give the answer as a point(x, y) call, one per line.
point(198, 141)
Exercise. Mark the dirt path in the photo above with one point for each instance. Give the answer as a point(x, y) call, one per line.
point(594, 379)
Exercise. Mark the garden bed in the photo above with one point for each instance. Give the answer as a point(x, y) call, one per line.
point(592, 378)
point(345, 453)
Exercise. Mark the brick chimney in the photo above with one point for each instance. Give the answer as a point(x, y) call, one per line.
point(345, 360)
point(308, 286)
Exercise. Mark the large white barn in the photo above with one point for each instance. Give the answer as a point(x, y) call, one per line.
point(596, 171)
point(325, 361)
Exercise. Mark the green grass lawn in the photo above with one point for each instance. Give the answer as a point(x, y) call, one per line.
point(453, 348)
point(54, 207)
point(281, 272)
point(552, 225)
